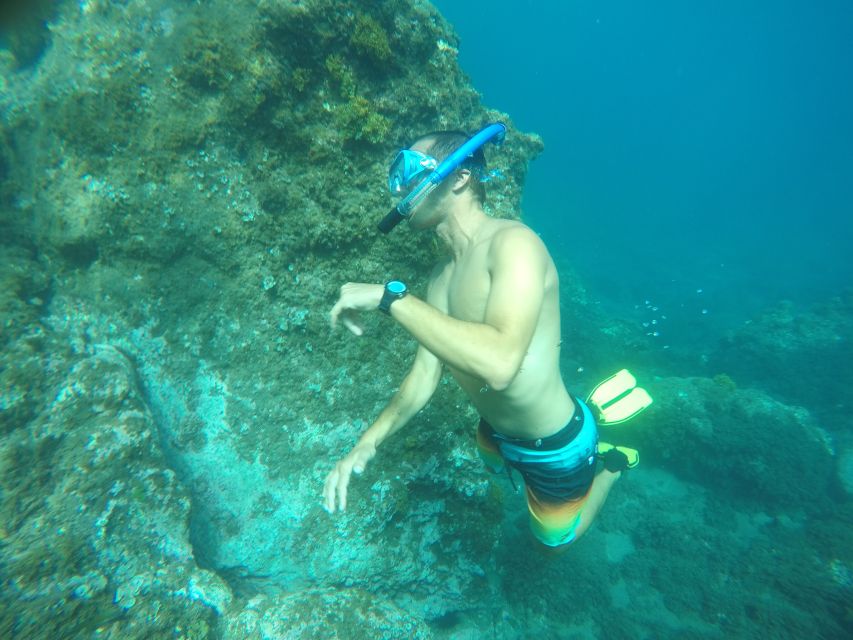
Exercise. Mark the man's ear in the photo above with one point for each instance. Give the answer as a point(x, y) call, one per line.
point(462, 178)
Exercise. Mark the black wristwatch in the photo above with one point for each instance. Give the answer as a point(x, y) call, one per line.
point(394, 290)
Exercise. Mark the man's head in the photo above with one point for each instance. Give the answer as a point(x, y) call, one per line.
point(440, 144)
point(440, 172)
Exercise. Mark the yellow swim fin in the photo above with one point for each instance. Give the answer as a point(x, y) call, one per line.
point(632, 455)
point(618, 398)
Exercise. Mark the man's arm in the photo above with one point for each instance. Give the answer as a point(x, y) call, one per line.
point(494, 349)
point(415, 391)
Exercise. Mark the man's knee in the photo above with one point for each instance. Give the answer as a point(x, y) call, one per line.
point(555, 541)
point(548, 550)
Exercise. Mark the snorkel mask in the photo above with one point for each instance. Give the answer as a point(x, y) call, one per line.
point(408, 169)
point(409, 173)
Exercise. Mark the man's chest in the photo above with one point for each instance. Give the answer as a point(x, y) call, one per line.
point(468, 287)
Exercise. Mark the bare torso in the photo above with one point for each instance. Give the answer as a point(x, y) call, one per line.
point(536, 403)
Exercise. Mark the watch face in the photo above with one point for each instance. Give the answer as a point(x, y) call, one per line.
point(395, 286)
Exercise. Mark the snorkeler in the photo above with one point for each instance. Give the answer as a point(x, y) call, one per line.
point(492, 317)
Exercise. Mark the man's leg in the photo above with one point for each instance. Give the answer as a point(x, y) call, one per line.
point(557, 525)
point(597, 495)
point(616, 460)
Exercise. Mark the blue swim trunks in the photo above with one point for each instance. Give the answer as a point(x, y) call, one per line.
point(558, 472)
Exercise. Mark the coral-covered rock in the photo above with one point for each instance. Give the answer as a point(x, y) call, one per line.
point(198, 180)
point(739, 441)
point(323, 614)
point(215, 125)
point(796, 353)
point(95, 523)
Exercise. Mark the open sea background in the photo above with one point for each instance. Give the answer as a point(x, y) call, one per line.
point(688, 146)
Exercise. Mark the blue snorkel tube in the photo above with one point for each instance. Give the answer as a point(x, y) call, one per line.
point(494, 132)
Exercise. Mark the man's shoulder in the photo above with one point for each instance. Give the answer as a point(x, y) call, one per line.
point(512, 237)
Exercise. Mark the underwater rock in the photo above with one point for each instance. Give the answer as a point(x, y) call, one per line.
point(149, 130)
point(95, 524)
point(778, 349)
point(23, 293)
point(741, 442)
point(323, 614)
point(168, 163)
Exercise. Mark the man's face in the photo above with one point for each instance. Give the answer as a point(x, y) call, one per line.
point(438, 204)
point(430, 211)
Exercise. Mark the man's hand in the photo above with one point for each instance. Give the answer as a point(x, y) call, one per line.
point(338, 480)
point(355, 297)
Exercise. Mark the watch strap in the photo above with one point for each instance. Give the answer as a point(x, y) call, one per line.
point(390, 295)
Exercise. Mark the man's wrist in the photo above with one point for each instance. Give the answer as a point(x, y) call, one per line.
point(394, 290)
point(367, 440)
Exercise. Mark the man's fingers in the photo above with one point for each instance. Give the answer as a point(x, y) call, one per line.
point(337, 482)
point(352, 324)
point(329, 491)
point(334, 313)
point(349, 318)
point(342, 490)
point(336, 488)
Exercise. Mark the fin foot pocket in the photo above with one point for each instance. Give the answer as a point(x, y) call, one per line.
point(617, 458)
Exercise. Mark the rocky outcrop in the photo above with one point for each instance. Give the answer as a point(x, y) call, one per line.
point(740, 442)
point(184, 190)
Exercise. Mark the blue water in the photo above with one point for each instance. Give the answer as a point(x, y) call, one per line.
point(699, 155)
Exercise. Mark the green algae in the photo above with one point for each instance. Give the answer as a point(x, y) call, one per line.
point(725, 381)
point(356, 120)
point(370, 39)
point(341, 75)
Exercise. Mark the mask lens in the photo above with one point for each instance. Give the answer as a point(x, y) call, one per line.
point(407, 170)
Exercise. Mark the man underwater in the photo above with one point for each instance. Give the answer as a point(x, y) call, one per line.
point(492, 317)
